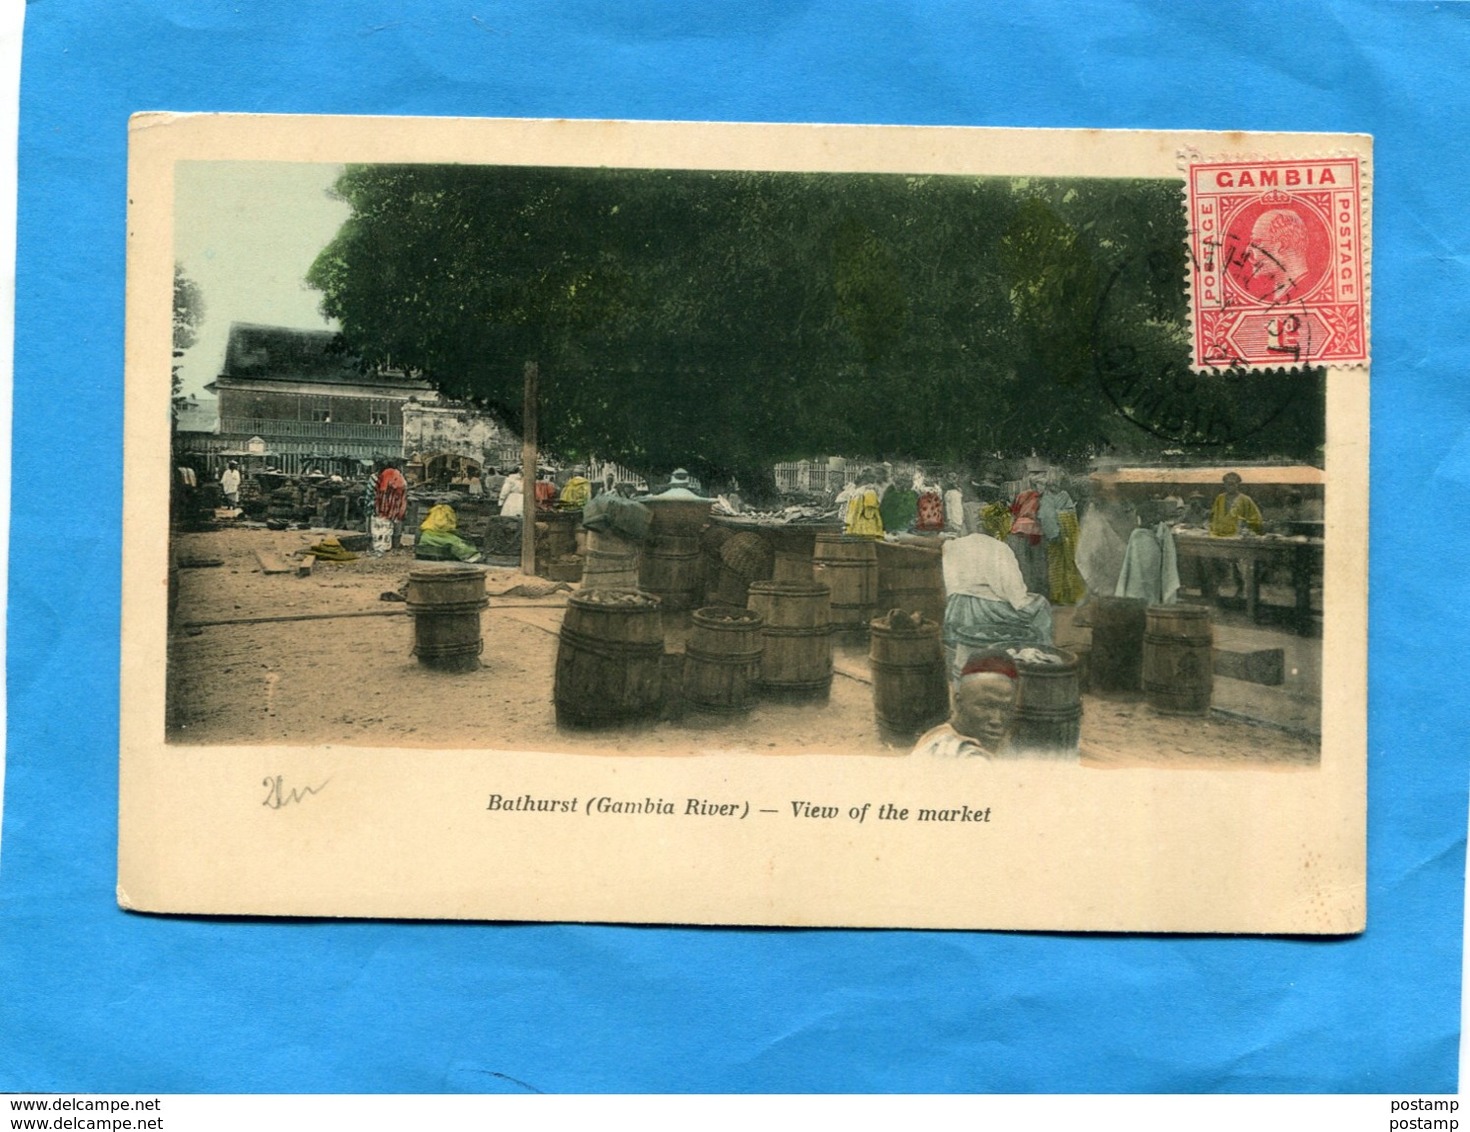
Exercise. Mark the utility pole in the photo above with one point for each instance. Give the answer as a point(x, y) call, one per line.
point(528, 472)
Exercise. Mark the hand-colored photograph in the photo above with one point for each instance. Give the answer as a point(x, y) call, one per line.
point(553, 458)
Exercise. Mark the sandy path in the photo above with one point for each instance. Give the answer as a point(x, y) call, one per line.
point(353, 681)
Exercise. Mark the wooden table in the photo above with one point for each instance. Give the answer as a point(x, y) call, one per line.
point(1301, 555)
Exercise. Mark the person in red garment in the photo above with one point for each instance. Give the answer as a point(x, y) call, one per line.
point(546, 491)
point(930, 519)
point(1026, 539)
point(390, 507)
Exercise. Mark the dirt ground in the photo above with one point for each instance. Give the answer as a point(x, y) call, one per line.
point(351, 680)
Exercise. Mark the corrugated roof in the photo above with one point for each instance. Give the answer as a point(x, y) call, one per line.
point(287, 354)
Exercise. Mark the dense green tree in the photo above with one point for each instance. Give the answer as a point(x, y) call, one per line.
point(188, 313)
point(188, 309)
point(727, 320)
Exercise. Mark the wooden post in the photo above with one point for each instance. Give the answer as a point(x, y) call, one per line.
point(528, 473)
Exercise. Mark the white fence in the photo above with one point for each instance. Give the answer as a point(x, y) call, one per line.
point(824, 474)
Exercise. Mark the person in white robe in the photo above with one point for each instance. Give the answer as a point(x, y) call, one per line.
point(988, 604)
point(1102, 541)
point(511, 496)
point(954, 506)
point(1150, 566)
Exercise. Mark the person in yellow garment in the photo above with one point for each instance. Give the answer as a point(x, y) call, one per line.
point(1232, 508)
point(437, 537)
point(575, 492)
point(863, 517)
point(1058, 518)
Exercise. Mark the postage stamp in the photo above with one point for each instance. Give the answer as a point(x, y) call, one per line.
point(1277, 262)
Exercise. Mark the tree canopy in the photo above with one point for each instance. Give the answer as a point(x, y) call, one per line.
point(728, 320)
point(188, 314)
point(188, 309)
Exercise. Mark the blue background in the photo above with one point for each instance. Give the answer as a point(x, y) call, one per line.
point(94, 999)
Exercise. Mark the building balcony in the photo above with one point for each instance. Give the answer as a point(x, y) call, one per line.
point(325, 431)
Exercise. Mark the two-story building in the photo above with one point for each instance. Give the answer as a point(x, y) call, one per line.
point(307, 399)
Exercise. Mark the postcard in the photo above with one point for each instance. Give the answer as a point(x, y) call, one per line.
point(748, 524)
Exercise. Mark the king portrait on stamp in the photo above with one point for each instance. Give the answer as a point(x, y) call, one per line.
point(1277, 267)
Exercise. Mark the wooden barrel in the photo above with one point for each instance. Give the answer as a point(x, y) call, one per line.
point(1117, 643)
point(744, 557)
point(446, 602)
point(793, 544)
point(792, 565)
point(722, 659)
point(503, 537)
point(1178, 659)
point(796, 640)
point(285, 503)
point(725, 587)
point(749, 555)
point(607, 659)
point(910, 578)
point(611, 562)
point(474, 520)
point(334, 514)
point(848, 565)
point(1048, 714)
point(711, 538)
point(556, 546)
point(670, 569)
point(561, 531)
point(910, 691)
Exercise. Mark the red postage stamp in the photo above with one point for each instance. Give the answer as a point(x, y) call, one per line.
point(1278, 262)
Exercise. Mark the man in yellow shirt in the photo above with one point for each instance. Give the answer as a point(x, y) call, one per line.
point(1232, 508)
point(576, 491)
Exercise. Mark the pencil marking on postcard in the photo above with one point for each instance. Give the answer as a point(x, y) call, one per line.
point(278, 794)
